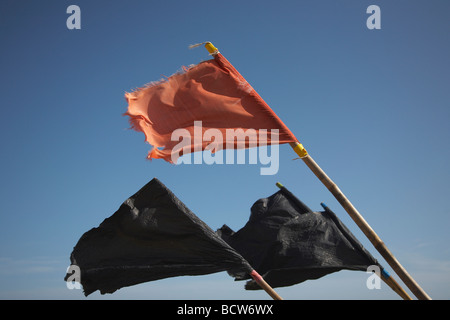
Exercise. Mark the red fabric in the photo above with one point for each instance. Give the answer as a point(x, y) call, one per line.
point(212, 92)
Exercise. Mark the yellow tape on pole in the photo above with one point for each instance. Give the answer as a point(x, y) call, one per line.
point(300, 150)
point(211, 49)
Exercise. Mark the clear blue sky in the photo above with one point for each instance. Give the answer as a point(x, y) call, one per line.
point(372, 107)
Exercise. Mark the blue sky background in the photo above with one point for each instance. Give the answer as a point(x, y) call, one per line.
point(372, 107)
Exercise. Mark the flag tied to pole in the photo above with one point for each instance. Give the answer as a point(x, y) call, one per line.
point(212, 92)
point(152, 236)
point(288, 243)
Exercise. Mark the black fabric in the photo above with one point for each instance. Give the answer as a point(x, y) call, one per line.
point(287, 243)
point(153, 235)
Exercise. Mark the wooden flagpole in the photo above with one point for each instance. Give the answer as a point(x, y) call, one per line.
point(351, 210)
point(390, 281)
point(359, 220)
point(263, 284)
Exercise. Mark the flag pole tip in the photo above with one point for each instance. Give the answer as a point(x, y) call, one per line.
point(210, 47)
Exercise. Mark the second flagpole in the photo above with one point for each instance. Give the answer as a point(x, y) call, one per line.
point(361, 222)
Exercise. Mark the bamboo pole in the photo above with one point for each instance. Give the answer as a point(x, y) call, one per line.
point(359, 220)
point(390, 281)
point(263, 284)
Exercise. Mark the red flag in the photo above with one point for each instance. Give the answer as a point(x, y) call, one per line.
point(214, 93)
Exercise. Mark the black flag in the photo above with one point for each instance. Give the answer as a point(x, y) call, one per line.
point(288, 243)
point(152, 236)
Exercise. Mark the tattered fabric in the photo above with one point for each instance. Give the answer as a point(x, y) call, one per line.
point(152, 236)
point(212, 92)
point(288, 243)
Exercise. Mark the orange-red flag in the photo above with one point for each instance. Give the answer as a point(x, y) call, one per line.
point(212, 92)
